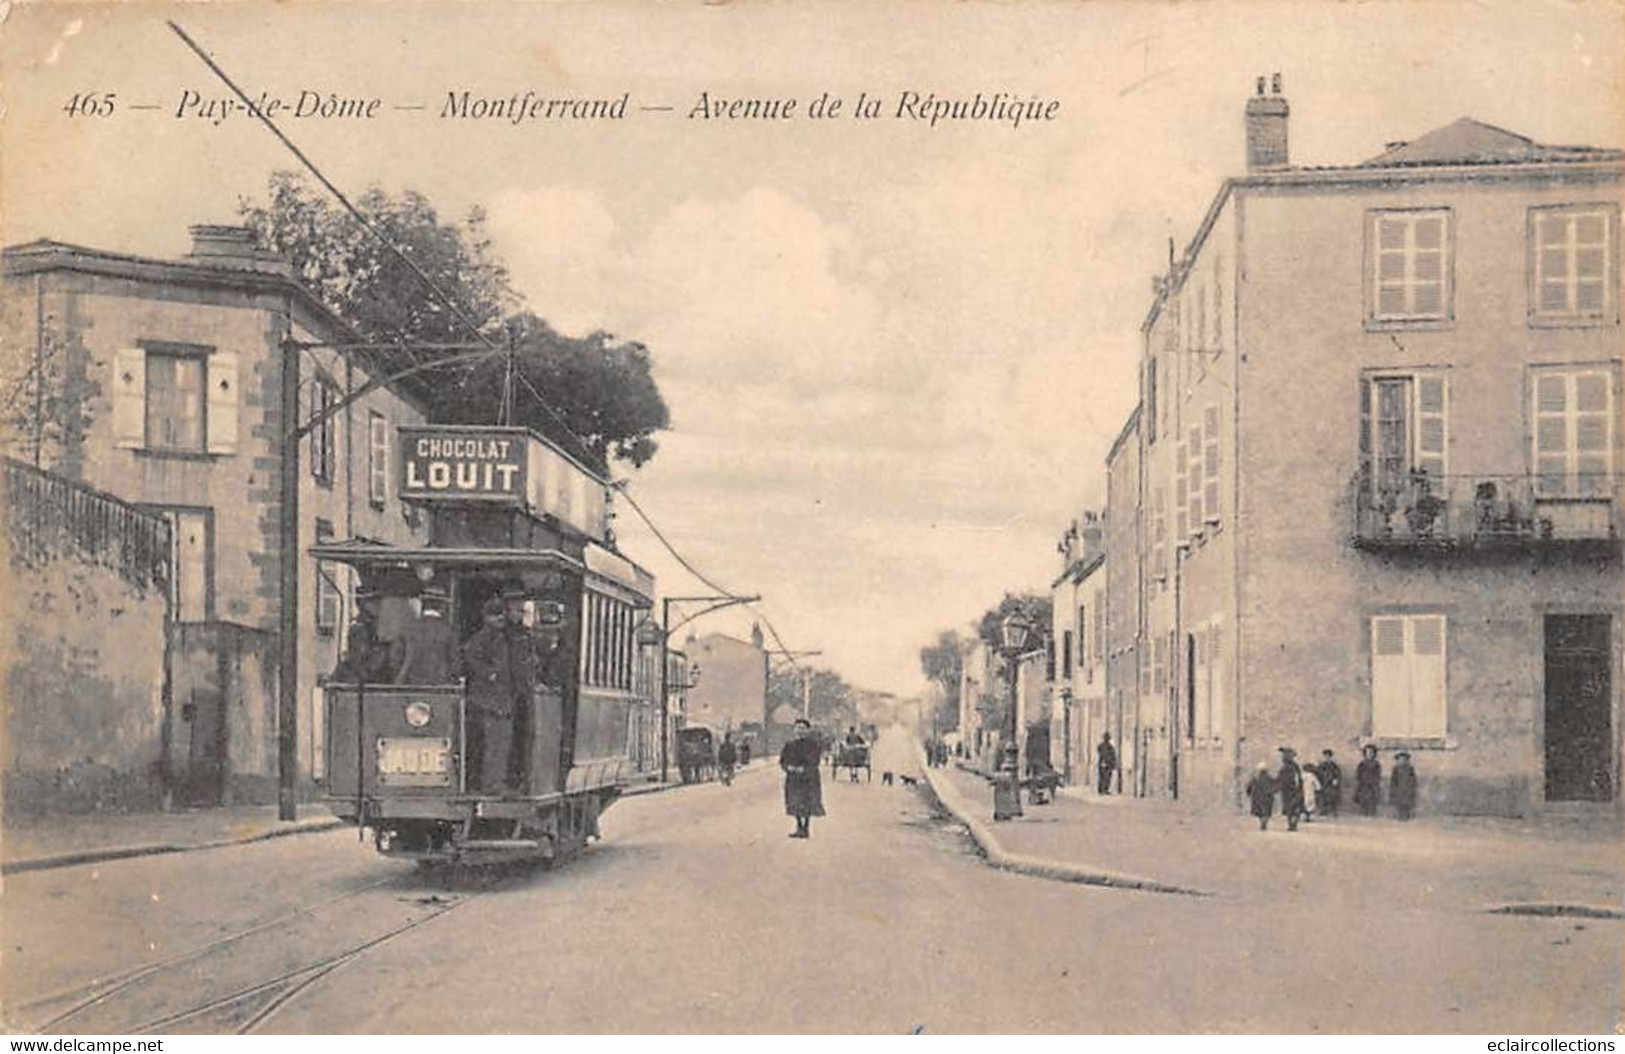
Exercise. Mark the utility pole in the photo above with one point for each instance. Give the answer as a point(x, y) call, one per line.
point(287, 791)
point(718, 601)
point(806, 677)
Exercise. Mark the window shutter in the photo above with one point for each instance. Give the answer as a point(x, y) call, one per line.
point(1182, 521)
point(130, 398)
point(1210, 462)
point(1193, 444)
point(1390, 681)
point(1427, 670)
point(1215, 667)
point(1432, 424)
point(222, 420)
point(1365, 439)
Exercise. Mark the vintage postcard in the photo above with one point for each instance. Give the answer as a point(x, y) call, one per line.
point(767, 518)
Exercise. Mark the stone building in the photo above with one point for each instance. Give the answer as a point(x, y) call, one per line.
point(161, 385)
point(1078, 630)
point(1380, 436)
point(1123, 595)
point(730, 692)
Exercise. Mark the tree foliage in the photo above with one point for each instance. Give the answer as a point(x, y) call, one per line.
point(1035, 608)
point(942, 662)
point(602, 402)
point(833, 700)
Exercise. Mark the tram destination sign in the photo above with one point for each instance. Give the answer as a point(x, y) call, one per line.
point(463, 463)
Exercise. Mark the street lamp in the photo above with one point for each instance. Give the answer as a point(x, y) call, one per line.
point(1014, 630)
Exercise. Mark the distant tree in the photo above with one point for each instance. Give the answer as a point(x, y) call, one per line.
point(942, 662)
point(602, 400)
point(1037, 609)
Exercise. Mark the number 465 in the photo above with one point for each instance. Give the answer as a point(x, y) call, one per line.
point(91, 104)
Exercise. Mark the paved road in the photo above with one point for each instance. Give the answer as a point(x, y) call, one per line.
point(698, 914)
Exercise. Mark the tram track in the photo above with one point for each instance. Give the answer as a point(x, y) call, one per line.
point(238, 982)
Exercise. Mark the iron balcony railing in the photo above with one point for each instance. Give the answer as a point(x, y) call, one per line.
point(1476, 510)
point(48, 515)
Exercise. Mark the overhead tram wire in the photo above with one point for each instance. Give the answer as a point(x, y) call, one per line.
point(446, 299)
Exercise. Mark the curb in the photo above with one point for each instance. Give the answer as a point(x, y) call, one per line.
point(125, 852)
point(638, 789)
point(1571, 911)
point(1039, 867)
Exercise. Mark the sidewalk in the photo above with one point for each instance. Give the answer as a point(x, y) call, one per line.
point(40, 843)
point(1466, 863)
point(37, 843)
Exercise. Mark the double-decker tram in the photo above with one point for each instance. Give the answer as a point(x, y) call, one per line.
point(481, 711)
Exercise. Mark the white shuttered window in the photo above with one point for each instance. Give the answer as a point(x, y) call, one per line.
point(1410, 265)
point(1571, 250)
point(1574, 432)
point(1408, 658)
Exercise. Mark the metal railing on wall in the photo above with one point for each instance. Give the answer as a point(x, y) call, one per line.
point(49, 516)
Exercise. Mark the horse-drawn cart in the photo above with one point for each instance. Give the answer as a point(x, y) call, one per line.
point(852, 757)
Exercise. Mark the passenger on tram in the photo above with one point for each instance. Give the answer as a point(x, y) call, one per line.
point(427, 650)
point(366, 657)
point(525, 650)
point(493, 686)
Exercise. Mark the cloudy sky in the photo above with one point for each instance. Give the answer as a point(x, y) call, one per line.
point(895, 355)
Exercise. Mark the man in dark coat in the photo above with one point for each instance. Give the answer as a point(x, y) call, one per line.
point(492, 687)
point(1402, 791)
point(1331, 785)
point(727, 754)
point(1368, 781)
point(427, 650)
point(1261, 794)
point(1105, 764)
point(803, 793)
point(366, 658)
point(530, 668)
point(1289, 781)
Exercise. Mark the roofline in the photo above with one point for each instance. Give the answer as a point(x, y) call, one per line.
point(1608, 163)
point(46, 255)
point(1123, 433)
point(1078, 570)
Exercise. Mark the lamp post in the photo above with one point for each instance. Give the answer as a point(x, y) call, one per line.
point(1014, 630)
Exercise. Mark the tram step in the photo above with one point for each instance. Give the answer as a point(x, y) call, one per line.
point(489, 844)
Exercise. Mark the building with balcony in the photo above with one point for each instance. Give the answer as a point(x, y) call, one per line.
point(1380, 442)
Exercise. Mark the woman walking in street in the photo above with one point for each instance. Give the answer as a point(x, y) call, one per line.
point(803, 793)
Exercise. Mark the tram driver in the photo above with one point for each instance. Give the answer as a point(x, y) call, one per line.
point(495, 684)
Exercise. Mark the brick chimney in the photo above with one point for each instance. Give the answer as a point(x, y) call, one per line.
point(233, 247)
point(1092, 535)
point(1266, 127)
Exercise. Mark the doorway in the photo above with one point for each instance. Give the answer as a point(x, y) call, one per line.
point(1579, 694)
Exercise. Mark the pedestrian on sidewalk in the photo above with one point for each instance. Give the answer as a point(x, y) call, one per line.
point(1368, 781)
point(1105, 764)
point(727, 754)
point(1289, 779)
point(1402, 792)
point(803, 793)
point(1261, 792)
point(1311, 792)
point(1331, 784)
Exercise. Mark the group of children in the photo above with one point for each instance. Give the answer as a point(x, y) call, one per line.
point(1306, 790)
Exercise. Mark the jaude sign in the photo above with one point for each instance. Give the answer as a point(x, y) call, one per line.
point(463, 463)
